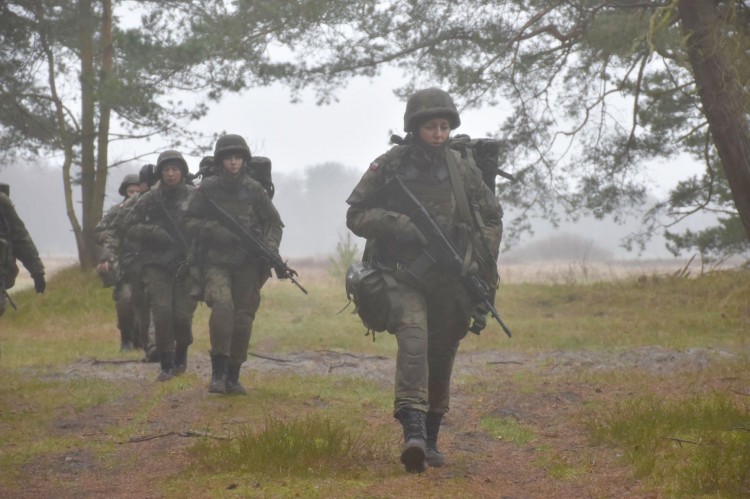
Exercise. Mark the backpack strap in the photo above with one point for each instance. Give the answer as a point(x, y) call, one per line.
point(462, 203)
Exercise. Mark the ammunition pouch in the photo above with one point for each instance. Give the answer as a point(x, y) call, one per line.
point(374, 291)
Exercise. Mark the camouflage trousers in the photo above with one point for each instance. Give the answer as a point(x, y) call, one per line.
point(142, 310)
point(233, 293)
point(126, 313)
point(171, 306)
point(433, 323)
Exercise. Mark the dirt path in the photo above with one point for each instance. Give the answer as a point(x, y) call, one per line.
point(488, 467)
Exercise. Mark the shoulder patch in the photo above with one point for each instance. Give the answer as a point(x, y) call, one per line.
point(374, 165)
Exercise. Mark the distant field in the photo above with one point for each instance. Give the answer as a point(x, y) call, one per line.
point(52, 264)
point(516, 272)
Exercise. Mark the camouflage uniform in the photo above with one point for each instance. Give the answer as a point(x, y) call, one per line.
point(16, 243)
point(232, 276)
point(436, 308)
point(153, 223)
point(131, 269)
point(110, 253)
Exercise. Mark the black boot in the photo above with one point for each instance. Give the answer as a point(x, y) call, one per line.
point(180, 358)
point(151, 354)
point(218, 374)
point(434, 457)
point(233, 380)
point(414, 450)
point(168, 370)
point(125, 344)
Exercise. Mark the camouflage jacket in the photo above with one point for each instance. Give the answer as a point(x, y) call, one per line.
point(106, 236)
point(154, 225)
point(15, 243)
point(247, 201)
point(374, 213)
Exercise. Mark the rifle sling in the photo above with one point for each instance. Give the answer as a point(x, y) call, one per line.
point(462, 203)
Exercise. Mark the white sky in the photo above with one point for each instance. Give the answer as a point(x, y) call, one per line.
point(352, 131)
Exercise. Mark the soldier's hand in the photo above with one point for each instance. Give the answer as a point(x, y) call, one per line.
point(159, 237)
point(403, 229)
point(219, 234)
point(409, 234)
point(39, 283)
point(103, 266)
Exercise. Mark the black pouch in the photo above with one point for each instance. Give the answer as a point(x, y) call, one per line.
point(374, 292)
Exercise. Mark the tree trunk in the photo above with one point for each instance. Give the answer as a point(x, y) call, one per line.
point(67, 138)
point(88, 135)
point(105, 110)
point(722, 97)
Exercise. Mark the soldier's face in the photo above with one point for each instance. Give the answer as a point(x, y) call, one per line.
point(171, 174)
point(232, 162)
point(435, 131)
point(132, 190)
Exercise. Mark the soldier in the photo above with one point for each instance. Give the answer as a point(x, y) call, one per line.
point(435, 308)
point(110, 267)
point(154, 223)
point(16, 243)
point(131, 266)
point(232, 276)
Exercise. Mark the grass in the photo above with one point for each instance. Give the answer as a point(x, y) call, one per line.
point(508, 429)
point(698, 445)
point(307, 446)
point(331, 435)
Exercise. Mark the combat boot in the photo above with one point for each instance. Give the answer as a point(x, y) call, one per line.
point(415, 448)
point(125, 344)
point(151, 354)
point(180, 358)
point(233, 380)
point(434, 457)
point(218, 374)
point(168, 370)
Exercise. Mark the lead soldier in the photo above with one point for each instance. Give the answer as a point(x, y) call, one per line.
point(435, 308)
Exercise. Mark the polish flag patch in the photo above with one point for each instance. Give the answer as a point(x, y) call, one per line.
point(374, 165)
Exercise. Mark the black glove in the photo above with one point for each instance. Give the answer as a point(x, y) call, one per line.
point(403, 229)
point(410, 234)
point(219, 234)
point(39, 283)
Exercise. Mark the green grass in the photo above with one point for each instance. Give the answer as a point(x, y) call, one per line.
point(308, 446)
point(330, 435)
point(508, 429)
point(686, 445)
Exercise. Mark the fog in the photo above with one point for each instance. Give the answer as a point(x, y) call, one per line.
point(312, 205)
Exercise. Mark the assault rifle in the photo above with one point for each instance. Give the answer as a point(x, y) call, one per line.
point(254, 244)
point(440, 249)
point(10, 300)
point(175, 233)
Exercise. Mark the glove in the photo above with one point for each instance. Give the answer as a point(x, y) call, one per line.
point(151, 234)
point(410, 234)
point(219, 234)
point(403, 229)
point(158, 236)
point(39, 283)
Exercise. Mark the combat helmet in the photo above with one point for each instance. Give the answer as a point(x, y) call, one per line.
point(427, 104)
point(128, 180)
point(146, 175)
point(171, 156)
point(231, 143)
